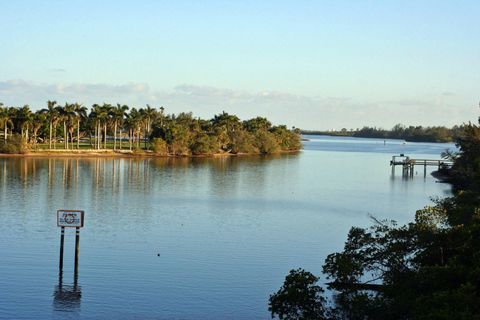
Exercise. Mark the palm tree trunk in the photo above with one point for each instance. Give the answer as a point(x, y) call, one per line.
point(65, 139)
point(99, 132)
point(105, 135)
point(138, 137)
point(50, 140)
point(95, 137)
point(55, 140)
point(144, 134)
point(130, 138)
point(121, 132)
point(115, 136)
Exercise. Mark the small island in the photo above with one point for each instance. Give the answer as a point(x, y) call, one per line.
point(108, 130)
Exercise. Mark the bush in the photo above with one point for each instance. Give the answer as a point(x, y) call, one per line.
point(243, 142)
point(204, 144)
point(159, 146)
point(300, 297)
point(14, 145)
point(265, 142)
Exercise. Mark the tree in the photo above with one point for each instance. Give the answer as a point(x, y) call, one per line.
point(225, 127)
point(38, 121)
point(134, 125)
point(24, 119)
point(149, 115)
point(118, 114)
point(80, 114)
point(5, 121)
point(52, 116)
point(300, 297)
point(69, 123)
point(257, 123)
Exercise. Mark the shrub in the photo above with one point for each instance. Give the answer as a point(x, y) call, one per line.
point(14, 145)
point(159, 146)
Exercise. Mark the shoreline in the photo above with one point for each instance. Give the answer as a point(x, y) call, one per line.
point(124, 154)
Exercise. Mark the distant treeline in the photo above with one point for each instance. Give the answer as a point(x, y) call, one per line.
point(399, 131)
point(118, 127)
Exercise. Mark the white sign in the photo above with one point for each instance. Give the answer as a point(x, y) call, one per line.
point(70, 218)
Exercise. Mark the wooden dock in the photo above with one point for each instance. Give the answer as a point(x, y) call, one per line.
point(408, 164)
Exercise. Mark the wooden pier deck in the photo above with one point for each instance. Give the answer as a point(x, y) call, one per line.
point(408, 164)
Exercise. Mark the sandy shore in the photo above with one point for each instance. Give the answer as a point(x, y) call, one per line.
point(106, 153)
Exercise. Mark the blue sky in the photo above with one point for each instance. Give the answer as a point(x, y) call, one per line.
point(310, 64)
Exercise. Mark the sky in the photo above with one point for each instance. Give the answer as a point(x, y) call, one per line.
point(309, 64)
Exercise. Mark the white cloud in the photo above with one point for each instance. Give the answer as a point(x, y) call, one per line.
point(310, 112)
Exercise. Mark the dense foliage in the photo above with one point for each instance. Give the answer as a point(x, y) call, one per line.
point(118, 127)
point(299, 298)
point(399, 131)
point(428, 269)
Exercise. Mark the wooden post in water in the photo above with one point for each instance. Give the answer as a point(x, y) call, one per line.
point(424, 168)
point(77, 247)
point(62, 241)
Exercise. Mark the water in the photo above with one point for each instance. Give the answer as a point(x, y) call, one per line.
point(206, 238)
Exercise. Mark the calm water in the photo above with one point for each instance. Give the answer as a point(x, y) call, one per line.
point(228, 230)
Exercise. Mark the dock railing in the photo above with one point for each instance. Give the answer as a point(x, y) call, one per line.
point(408, 164)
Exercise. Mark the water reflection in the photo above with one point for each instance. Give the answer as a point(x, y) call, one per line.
point(67, 297)
point(68, 175)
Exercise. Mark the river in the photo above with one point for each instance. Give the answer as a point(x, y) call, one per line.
point(202, 238)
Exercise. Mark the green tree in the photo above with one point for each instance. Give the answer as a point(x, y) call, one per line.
point(258, 123)
point(52, 115)
point(300, 298)
point(24, 119)
point(225, 127)
point(80, 115)
point(38, 121)
point(5, 121)
point(118, 115)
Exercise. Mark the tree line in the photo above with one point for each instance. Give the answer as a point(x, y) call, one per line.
point(427, 269)
point(399, 131)
point(117, 127)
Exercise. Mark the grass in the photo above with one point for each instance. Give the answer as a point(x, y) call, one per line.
point(83, 145)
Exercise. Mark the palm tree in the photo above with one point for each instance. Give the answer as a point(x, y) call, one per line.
point(105, 115)
point(71, 118)
point(39, 119)
point(24, 118)
point(62, 117)
point(118, 114)
point(5, 120)
point(81, 114)
point(52, 115)
point(225, 126)
point(149, 114)
point(67, 114)
point(94, 116)
point(101, 116)
point(134, 124)
point(161, 115)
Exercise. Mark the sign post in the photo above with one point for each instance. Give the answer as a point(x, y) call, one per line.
point(70, 219)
